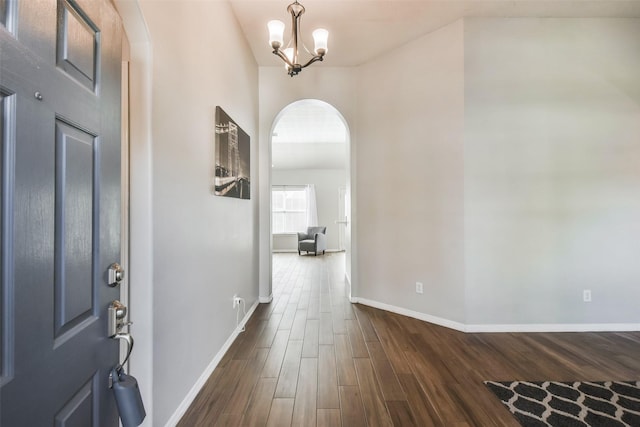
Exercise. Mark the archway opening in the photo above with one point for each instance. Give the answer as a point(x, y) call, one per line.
point(310, 171)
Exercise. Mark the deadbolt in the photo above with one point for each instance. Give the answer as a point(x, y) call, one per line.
point(116, 274)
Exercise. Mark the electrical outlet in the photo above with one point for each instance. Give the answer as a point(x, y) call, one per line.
point(236, 300)
point(419, 289)
point(586, 295)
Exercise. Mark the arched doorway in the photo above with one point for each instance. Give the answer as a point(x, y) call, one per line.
point(310, 146)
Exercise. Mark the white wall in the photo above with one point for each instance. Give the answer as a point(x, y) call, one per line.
point(410, 176)
point(204, 246)
point(552, 176)
point(336, 86)
point(327, 182)
point(499, 166)
point(509, 189)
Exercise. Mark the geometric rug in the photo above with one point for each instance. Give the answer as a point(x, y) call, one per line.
point(569, 404)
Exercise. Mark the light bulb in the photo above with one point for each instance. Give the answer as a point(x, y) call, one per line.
point(320, 37)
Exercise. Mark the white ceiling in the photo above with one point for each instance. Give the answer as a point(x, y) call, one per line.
point(297, 118)
point(360, 30)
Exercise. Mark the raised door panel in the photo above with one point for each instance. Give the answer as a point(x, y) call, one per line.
point(81, 409)
point(74, 219)
point(78, 44)
point(7, 161)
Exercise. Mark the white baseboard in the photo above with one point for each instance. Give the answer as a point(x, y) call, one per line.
point(542, 327)
point(556, 327)
point(295, 251)
point(410, 313)
point(189, 398)
point(265, 300)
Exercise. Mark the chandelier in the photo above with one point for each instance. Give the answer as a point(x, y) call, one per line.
point(291, 55)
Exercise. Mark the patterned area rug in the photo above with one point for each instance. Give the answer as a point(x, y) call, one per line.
point(569, 404)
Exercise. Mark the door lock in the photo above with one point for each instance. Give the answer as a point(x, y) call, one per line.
point(116, 274)
point(117, 313)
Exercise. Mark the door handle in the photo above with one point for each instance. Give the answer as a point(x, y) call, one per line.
point(129, 339)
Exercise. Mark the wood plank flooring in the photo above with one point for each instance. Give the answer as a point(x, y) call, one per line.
point(310, 358)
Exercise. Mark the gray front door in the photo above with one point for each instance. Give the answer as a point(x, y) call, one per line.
point(60, 63)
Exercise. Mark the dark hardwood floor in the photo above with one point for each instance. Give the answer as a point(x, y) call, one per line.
point(310, 358)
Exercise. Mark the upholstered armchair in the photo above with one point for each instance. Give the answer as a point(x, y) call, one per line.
point(314, 240)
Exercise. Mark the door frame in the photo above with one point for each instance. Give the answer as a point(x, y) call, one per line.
point(342, 217)
point(139, 197)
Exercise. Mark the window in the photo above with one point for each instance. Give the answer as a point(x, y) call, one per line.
point(289, 209)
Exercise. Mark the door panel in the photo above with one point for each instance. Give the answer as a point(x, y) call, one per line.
point(75, 151)
point(7, 150)
point(79, 410)
point(33, 23)
point(78, 45)
point(60, 86)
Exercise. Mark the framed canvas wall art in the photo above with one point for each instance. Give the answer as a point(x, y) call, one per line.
point(233, 155)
